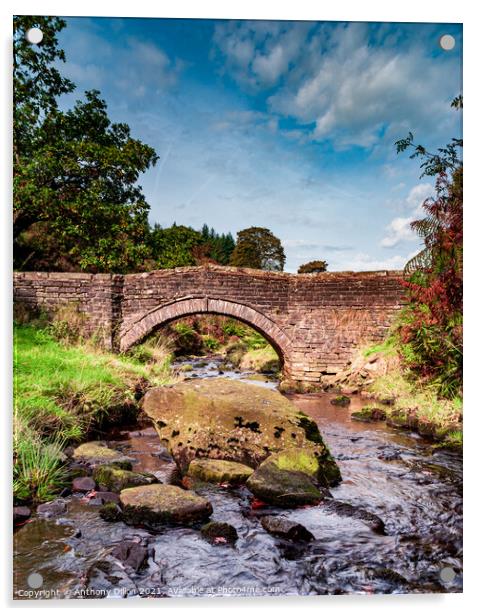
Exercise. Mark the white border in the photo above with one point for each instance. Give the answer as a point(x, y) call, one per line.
point(353, 10)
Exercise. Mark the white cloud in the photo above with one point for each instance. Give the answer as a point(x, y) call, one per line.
point(417, 196)
point(399, 230)
point(258, 54)
point(333, 77)
point(365, 263)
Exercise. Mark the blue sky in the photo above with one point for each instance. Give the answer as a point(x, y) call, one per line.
point(285, 125)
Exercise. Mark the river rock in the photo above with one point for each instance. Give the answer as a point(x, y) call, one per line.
point(282, 527)
point(107, 497)
point(83, 484)
point(226, 419)
point(288, 479)
point(20, 514)
point(347, 510)
point(219, 533)
point(132, 554)
point(160, 503)
point(219, 471)
point(403, 418)
point(340, 401)
point(96, 452)
point(52, 509)
point(369, 414)
point(111, 512)
point(114, 479)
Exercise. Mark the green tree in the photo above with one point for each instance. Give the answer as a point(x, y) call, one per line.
point(174, 246)
point(313, 267)
point(77, 204)
point(258, 248)
point(218, 247)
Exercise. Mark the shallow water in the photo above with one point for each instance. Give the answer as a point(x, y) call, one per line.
point(393, 474)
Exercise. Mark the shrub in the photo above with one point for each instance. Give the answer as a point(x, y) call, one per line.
point(313, 267)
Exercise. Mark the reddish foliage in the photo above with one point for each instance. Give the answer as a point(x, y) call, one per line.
point(432, 325)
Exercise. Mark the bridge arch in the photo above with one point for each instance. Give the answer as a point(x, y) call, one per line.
point(140, 328)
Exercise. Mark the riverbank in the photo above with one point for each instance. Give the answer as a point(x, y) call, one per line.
point(63, 393)
point(377, 373)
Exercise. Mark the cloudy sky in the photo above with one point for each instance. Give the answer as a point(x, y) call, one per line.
point(285, 125)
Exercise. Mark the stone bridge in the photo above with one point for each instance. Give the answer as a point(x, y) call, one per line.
point(314, 321)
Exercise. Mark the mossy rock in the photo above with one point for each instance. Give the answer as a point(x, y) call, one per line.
point(320, 468)
point(283, 488)
point(111, 512)
point(369, 414)
point(219, 471)
point(215, 532)
point(163, 504)
point(405, 418)
point(228, 420)
point(96, 452)
point(288, 478)
point(340, 401)
point(114, 479)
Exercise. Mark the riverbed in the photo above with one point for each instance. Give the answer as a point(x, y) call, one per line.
point(414, 489)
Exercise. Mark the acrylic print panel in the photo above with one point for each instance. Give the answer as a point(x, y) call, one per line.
point(238, 319)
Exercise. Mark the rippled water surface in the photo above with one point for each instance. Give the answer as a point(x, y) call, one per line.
point(417, 493)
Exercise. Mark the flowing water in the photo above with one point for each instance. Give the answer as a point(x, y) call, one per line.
point(417, 493)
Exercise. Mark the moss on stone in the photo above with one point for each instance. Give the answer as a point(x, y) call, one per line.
point(283, 488)
point(297, 460)
point(226, 419)
point(219, 471)
point(96, 452)
point(115, 479)
point(111, 512)
point(160, 504)
point(340, 401)
point(368, 414)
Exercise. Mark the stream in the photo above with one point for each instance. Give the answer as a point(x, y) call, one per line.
point(416, 491)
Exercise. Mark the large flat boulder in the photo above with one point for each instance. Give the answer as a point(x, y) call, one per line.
point(163, 504)
point(229, 420)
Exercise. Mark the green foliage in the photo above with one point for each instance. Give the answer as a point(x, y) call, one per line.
point(258, 248)
point(210, 343)
point(388, 347)
point(186, 339)
point(219, 247)
point(313, 267)
point(38, 472)
point(233, 328)
point(173, 246)
point(37, 83)
point(77, 204)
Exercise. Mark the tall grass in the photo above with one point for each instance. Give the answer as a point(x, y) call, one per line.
point(62, 391)
point(411, 392)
